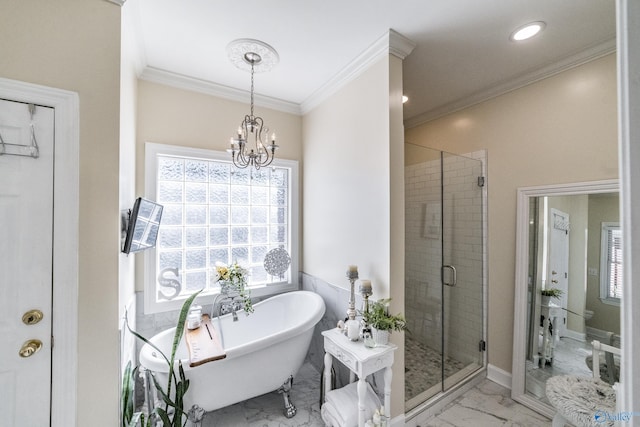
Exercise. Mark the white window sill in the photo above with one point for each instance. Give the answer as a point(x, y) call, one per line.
point(611, 301)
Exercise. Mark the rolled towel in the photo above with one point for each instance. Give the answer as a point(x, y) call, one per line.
point(343, 404)
point(329, 416)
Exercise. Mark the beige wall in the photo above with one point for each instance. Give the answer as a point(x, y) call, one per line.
point(561, 129)
point(353, 199)
point(75, 45)
point(167, 115)
point(602, 208)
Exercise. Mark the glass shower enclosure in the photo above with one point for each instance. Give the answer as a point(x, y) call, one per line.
point(443, 271)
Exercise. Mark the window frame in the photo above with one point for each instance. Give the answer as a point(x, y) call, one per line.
point(605, 297)
point(152, 151)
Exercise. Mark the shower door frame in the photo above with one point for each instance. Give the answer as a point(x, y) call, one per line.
point(427, 398)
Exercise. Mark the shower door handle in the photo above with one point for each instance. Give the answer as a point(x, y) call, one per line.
point(454, 275)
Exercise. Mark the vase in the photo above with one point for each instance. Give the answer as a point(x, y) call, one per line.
point(381, 337)
point(228, 288)
point(546, 299)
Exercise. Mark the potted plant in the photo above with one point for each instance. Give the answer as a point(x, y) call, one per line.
point(381, 322)
point(171, 413)
point(547, 294)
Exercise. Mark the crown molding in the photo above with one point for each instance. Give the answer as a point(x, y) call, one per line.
point(180, 81)
point(391, 42)
point(118, 2)
point(590, 54)
point(400, 45)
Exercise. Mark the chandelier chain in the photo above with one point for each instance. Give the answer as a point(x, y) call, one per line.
point(252, 90)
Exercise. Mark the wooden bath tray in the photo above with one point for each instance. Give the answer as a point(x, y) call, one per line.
point(203, 343)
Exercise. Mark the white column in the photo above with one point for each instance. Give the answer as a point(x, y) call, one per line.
point(328, 360)
point(628, 40)
point(388, 373)
point(362, 392)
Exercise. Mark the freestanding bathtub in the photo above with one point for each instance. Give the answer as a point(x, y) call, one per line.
point(263, 351)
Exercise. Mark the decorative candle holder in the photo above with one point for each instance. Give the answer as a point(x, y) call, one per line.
point(352, 275)
point(366, 292)
point(365, 330)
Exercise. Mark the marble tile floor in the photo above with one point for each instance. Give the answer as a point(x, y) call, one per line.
point(569, 358)
point(486, 405)
point(267, 410)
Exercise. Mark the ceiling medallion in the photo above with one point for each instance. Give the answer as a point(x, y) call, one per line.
point(242, 51)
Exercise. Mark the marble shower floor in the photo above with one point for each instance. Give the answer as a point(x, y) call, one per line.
point(486, 405)
point(423, 367)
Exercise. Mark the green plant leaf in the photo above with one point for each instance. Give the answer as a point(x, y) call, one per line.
point(182, 385)
point(126, 401)
point(182, 318)
point(164, 417)
point(141, 338)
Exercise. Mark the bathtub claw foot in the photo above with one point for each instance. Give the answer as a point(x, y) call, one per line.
point(195, 416)
point(290, 409)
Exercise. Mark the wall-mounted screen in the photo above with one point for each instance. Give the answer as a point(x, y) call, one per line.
point(143, 226)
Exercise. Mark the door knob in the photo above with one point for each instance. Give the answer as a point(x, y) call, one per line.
point(32, 317)
point(29, 348)
point(554, 281)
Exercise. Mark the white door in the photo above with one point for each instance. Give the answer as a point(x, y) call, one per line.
point(558, 272)
point(26, 239)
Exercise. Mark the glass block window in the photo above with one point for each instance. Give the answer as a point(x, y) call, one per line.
point(217, 213)
point(611, 263)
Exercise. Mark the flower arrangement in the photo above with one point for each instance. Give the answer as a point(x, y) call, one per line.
point(233, 281)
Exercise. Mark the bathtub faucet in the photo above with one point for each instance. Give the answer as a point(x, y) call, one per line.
point(223, 304)
point(231, 305)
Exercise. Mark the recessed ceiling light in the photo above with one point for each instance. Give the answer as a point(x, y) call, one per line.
point(527, 31)
point(405, 98)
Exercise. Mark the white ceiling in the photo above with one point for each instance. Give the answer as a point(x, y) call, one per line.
point(463, 53)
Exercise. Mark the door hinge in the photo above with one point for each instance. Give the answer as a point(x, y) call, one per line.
point(482, 346)
point(481, 181)
point(52, 342)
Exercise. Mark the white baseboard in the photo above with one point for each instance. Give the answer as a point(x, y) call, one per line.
point(499, 376)
point(578, 336)
point(397, 421)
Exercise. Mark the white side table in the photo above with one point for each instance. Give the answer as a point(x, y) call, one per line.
point(551, 314)
point(361, 361)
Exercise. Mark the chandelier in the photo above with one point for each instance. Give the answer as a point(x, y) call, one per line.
point(252, 145)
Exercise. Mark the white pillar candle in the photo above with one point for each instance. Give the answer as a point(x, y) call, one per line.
point(365, 285)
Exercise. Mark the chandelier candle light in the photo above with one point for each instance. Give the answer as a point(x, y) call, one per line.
point(254, 56)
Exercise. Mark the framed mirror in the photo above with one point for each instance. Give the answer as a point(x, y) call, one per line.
point(561, 233)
